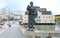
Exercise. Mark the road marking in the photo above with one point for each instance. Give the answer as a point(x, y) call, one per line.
point(3, 30)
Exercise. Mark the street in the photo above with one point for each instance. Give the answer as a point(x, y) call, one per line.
point(12, 32)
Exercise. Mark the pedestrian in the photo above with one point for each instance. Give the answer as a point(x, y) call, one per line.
point(9, 24)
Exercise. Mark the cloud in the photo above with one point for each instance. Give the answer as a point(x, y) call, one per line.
point(2, 6)
point(53, 5)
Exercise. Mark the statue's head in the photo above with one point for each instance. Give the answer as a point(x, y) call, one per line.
point(31, 3)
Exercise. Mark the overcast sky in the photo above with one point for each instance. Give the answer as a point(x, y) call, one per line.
point(14, 5)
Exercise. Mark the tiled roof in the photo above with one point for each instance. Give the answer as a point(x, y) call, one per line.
point(46, 13)
point(43, 10)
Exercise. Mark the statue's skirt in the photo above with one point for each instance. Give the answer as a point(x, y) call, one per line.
point(31, 19)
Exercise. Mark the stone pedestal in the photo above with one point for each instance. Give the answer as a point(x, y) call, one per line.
point(39, 33)
point(45, 27)
point(31, 34)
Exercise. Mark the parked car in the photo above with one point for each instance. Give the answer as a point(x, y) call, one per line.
point(1, 24)
point(20, 22)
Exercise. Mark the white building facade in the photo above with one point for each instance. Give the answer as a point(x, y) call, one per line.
point(41, 18)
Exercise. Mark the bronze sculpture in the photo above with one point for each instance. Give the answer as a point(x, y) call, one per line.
point(31, 15)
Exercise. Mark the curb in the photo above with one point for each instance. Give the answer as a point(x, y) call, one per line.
point(22, 30)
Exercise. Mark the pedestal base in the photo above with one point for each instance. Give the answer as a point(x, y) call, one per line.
point(30, 29)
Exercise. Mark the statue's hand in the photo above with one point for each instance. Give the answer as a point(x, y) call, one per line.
point(28, 7)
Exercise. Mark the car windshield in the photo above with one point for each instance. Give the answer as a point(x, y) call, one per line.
point(1, 23)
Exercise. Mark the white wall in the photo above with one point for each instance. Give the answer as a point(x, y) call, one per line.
point(41, 19)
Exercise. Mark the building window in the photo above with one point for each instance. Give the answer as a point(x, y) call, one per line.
point(38, 19)
point(39, 16)
point(43, 16)
point(50, 20)
point(45, 20)
point(49, 16)
point(46, 17)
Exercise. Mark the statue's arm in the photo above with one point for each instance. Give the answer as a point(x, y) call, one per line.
point(28, 8)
